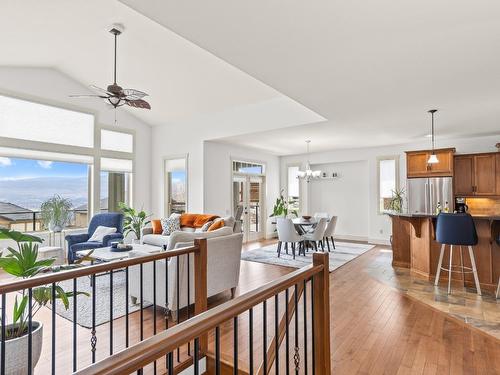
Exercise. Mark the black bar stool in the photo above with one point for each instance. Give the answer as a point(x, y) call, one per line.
point(498, 287)
point(456, 230)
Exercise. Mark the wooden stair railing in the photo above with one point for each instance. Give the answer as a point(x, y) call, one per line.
point(11, 289)
point(197, 328)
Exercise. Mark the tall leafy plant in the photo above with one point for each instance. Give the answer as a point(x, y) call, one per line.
point(56, 212)
point(397, 199)
point(133, 220)
point(282, 206)
point(23, 262)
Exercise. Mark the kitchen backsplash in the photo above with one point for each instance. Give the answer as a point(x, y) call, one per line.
point(483, 206)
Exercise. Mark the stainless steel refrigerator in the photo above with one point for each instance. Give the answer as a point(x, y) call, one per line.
point(424, 194)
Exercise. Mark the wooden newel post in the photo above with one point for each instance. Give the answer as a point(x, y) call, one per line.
point(200, 285)
point(322, 315)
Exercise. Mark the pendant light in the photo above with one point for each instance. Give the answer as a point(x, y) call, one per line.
point(308, 174)
point(433, 158)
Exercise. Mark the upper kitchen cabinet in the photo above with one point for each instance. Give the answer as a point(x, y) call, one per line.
point(476, 175)
point(417, 166)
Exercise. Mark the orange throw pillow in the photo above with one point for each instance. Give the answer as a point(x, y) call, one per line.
point(217, 225)
point(156, 225)
point(187, 220)
point(202, 219)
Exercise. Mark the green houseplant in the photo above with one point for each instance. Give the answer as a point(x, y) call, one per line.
point(282, 207)
point(133, 220)
point(56, 213)
point(23, 263)
point(397, 199)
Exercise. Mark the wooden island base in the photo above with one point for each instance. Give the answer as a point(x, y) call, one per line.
point(414, 247)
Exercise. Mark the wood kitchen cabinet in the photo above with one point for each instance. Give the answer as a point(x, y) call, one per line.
point(417, 166)
point(476, 175)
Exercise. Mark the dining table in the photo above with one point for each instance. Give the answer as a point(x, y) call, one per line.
point(302, 225)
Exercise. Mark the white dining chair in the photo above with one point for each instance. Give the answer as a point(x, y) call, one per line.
point(329, 232)
point(317, 235)
point(288, 235)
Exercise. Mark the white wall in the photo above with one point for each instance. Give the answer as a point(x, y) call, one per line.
point(217, 175)
point(379, 226)
point(345, 197)
point(50, 86)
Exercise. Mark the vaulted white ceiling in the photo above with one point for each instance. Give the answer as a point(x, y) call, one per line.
point(183, 80)
point(372, 68)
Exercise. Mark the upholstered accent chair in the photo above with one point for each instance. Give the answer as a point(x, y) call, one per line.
point(77, 242)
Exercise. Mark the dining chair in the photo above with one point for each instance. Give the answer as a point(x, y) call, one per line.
point(287, 234)
point(317, 235)
point(329, 232)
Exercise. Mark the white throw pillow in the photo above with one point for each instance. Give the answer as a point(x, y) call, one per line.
point(171, 224)
point(100, 232)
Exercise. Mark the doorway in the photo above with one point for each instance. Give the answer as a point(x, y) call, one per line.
point(248, 195)
point(175, 186)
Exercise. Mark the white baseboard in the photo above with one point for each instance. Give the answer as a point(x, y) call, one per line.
point(379, 241)
point(349, 237)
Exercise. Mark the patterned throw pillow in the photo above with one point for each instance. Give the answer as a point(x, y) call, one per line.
point(171, 224)
point(205, 226)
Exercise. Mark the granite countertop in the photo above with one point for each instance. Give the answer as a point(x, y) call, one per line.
point(421, 214)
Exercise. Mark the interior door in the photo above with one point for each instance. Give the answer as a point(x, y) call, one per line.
point(248, 193)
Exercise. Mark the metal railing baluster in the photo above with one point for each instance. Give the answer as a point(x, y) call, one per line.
point(250, 341)
point(126, 307)
point(217, 350)
point(235, 345)
point(178, 298)
point(188, 299)
point(111, 312)
point(75, 328)
point(30, 331)
point(312, 325)
point(196, 360)
point(264, 335)
point(4, 333)
point(305, 326)
point(93, 339)
point(296, 356)
point(276, 334)
point(287, 334)
point(154, 308)
point(141, 291)
point(53, 328)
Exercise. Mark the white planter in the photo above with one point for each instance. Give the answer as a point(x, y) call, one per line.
point(16, 351)
point(271, 228)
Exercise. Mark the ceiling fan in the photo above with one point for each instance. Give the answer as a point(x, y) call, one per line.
point(115, 94)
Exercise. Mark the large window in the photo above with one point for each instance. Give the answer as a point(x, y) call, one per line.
point(293, 188)
point(26, 183)
point(21, 119)
point(387, 181)
point(175, 174)
point(46, 150)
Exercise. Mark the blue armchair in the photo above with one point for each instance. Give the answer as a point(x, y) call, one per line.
point(77, 242)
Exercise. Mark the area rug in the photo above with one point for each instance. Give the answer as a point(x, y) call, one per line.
point(102, 311)
point(344, 252)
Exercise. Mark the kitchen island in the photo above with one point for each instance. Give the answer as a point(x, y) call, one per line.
point(414, 247)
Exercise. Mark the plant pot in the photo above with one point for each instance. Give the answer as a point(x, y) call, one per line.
point(55, 228)
point(271, 228)
point(16, 351)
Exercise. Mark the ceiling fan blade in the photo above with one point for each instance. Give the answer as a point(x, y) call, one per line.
point(87, 96)
point(98, 89)
point(133, 94)
point(138, 103)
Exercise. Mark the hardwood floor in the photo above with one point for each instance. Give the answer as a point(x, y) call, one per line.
point(375, 329)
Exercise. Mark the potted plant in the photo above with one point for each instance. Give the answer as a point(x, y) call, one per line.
point(56, 213)
point(281, 208)
point(134, 221)
point(396, 202)
point(22, 262)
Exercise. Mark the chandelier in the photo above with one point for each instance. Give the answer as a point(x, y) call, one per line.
point(308, 174)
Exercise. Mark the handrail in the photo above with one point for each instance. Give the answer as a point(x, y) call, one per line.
point(147, 351)
point(54, 277)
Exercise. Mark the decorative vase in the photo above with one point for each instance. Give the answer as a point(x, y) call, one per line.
point(55, 227)
point(16, 351)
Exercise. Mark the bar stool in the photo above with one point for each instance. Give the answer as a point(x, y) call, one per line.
point(456, 230)
point(498, 287)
